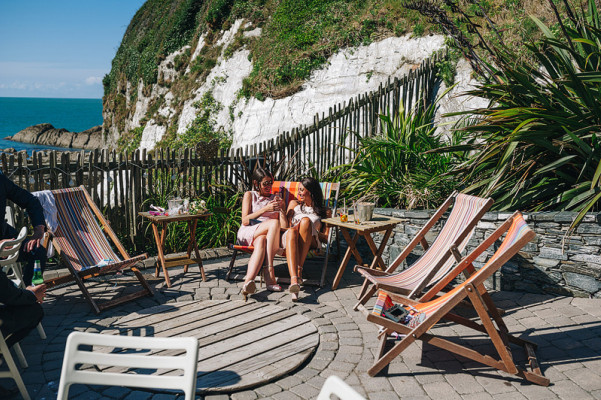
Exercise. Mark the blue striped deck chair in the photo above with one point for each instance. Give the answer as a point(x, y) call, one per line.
point(81, 241)
point(429, 310)
point(288, 191)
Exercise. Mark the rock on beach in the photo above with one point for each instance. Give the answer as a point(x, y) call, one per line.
point(48, 135)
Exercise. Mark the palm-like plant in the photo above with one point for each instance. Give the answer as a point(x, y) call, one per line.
point(397, 166)
point(538, 141)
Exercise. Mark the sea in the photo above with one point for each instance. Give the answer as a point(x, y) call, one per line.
point(18, 113)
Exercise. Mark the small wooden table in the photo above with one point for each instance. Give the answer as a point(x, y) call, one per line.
point(167, 261)
point(365, 229)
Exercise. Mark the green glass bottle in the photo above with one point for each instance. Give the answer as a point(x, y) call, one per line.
point(38, 279)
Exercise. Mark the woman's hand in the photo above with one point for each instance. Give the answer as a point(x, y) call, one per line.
point(273, 205)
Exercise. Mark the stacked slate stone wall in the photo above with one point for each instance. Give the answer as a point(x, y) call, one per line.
point(551, 263)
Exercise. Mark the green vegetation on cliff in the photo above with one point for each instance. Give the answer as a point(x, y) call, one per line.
point(297, 37)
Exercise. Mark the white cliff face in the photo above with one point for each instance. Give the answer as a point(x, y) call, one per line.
point(456, 99)
point(348, 73)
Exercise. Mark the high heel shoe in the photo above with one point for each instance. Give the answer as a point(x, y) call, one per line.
point(272, 287)
point(248, 288)
point(294, 297)
point(294, 286)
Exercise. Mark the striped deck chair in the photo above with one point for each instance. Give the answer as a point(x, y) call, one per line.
point(437, 259)
point(428, 311)
point(83, 246)
point(288, 191)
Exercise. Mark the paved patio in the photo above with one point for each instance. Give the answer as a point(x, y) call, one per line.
point(567, 330)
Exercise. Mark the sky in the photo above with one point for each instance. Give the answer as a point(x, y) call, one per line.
point(60, 48)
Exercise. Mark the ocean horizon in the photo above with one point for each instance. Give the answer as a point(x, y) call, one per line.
point(18, 113)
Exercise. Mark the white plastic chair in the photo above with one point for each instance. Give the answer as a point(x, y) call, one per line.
point(336, 386)
point(13, 269)
point(9, 252)
point(74, 356)
point(13, 371)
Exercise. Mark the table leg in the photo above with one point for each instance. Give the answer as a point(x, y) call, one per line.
point(347, 256)
point(196, 251)
point(161, 249)
point(377, 251)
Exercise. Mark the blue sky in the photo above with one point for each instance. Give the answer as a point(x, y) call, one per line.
point(60, 48)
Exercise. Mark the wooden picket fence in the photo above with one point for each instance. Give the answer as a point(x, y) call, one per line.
point(123, 184)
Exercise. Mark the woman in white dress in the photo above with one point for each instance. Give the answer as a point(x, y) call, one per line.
point(304, 218)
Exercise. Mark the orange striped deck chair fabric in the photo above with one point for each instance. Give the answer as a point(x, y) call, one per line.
point(425, 314)
point(289, 191)
point(438, 257)
point(82, 242)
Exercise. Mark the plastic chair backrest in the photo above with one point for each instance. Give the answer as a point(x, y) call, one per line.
point(9, 249)
point(336, 386)
point(74, 356)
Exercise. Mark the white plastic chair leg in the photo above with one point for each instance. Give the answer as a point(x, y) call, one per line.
point(20, 355)
point(41, 331)
point(13, 371)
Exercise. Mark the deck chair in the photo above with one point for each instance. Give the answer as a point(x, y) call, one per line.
point(83, 246)
point(288, 191)
point(181, 354)
point(437, 259)
point(429, 310)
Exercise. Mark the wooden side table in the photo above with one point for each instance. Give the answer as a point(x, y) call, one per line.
point(379, 223)
point(167, 261)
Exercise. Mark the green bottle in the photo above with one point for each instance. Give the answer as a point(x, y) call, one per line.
point(38, 279)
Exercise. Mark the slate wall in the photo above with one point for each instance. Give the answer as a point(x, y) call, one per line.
point(551, 263)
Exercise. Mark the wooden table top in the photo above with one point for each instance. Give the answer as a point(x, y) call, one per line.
point(241, 345)
point(377, 223)
point(173, 218)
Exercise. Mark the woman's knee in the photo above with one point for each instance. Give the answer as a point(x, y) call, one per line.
point(259, 242)
point(274, 224)
point(305, 224)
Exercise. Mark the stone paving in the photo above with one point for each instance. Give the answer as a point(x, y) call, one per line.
point(567, 330)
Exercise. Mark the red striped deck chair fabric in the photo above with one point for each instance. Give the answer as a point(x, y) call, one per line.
point(83, 246)
point(289, 191)
point(438, 258)
point(426, 314)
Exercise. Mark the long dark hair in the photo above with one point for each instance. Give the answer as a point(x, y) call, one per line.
point(314, 188)
point(258, 174)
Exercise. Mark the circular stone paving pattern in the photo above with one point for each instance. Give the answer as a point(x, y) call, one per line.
point(241, 345)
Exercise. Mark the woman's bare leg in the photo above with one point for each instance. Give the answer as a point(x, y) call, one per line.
point(256, 258)
point(305, 231)
point(271, 230)
point(292, 251)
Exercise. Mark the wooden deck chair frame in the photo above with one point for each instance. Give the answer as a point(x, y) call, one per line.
point(450, 256)
point(158, 359)
point(518, 235)
point(289, 190)
point(79, 276)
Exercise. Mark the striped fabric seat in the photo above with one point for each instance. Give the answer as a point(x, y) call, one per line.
point(83, 246)
point(438, 258)
point(288, 190)
point(429, 310)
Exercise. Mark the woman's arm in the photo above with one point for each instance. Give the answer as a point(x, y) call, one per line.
point(290, 212)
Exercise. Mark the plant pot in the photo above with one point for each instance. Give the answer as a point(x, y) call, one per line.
point(365, 211)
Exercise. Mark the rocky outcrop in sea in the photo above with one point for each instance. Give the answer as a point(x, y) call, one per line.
point(48, 135)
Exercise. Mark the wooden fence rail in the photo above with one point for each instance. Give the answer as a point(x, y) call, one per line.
point(123, 184)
